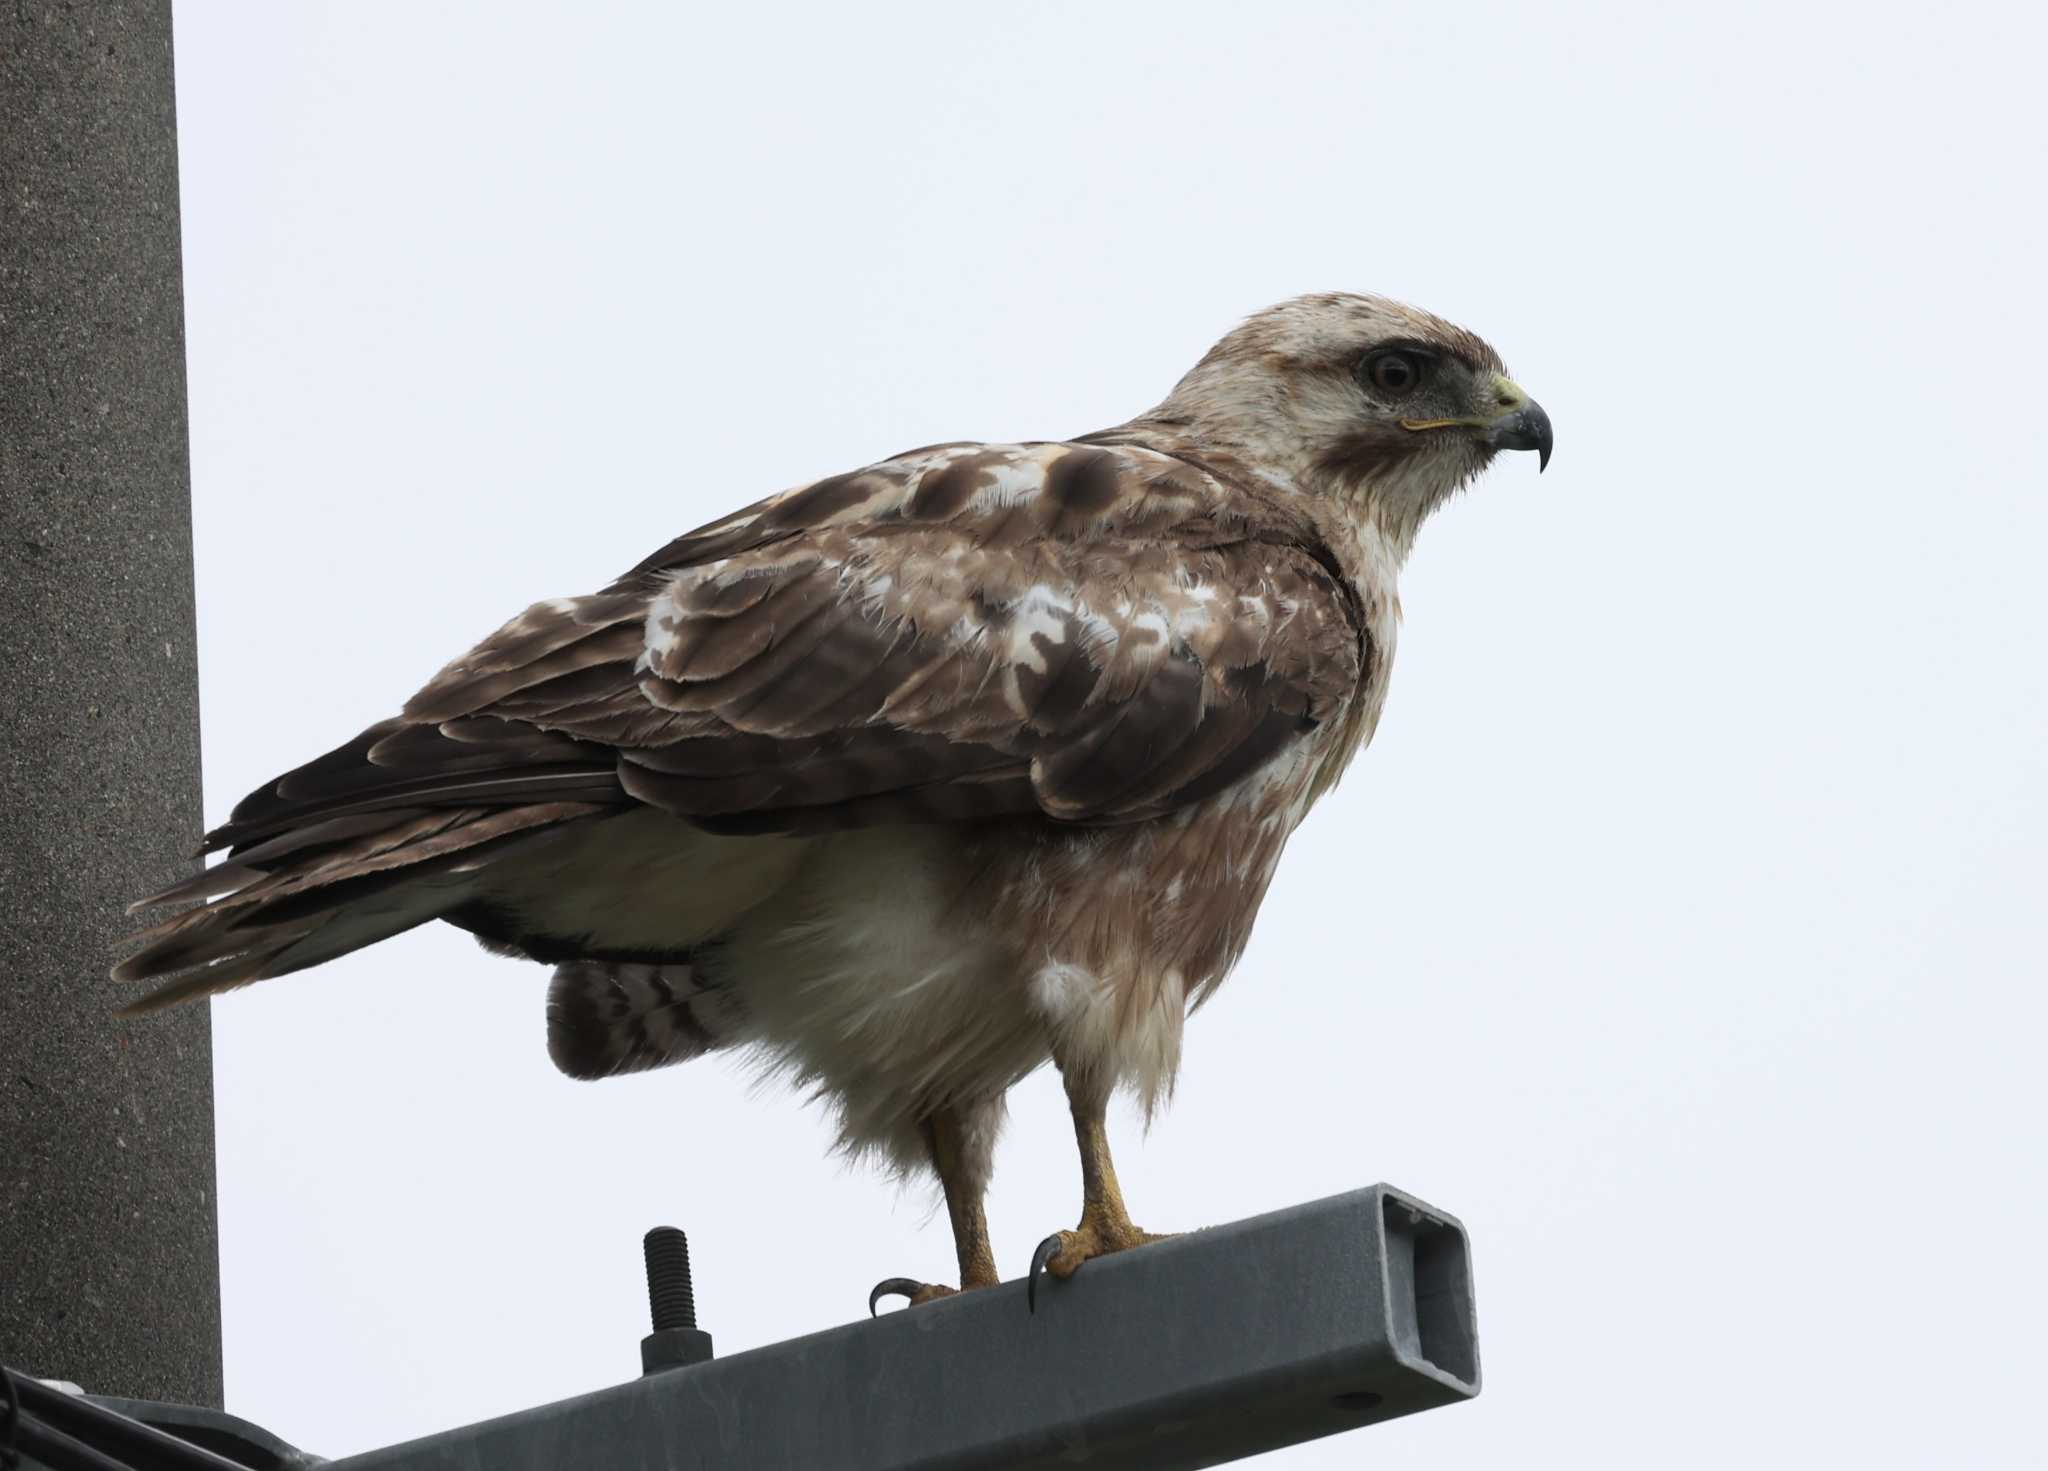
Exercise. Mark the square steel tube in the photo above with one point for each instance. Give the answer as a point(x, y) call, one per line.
point(1206, 1348)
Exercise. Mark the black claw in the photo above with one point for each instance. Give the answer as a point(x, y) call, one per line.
point(1047, 1250)
point(892, 1287)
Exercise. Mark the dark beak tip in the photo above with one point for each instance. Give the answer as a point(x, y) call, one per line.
point(1526, 428)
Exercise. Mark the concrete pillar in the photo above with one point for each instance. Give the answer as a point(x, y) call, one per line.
point(109, 1268)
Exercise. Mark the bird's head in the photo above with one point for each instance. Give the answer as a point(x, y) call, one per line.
point(1386, 407)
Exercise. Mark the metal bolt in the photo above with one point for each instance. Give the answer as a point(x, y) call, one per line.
point(669, 1293)
point(677, 1341)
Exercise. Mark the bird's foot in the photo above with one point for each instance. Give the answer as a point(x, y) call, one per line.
point(918, 1293)
point(1099, 1234)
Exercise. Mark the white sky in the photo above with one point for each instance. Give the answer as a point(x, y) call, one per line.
point(1682, 931)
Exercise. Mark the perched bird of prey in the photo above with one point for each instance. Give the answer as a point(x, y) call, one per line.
point(914, 777)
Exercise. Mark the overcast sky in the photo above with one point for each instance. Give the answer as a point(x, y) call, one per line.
point(1681, 931)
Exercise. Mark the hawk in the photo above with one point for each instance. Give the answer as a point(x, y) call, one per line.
point(914, 777)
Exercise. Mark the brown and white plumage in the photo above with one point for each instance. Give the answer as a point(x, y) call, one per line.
point(914, 776)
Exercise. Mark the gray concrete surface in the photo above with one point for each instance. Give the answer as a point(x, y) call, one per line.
point(109, 1269)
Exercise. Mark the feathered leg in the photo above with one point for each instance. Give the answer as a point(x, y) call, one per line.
point(1105, 1223)
point(960, 1154)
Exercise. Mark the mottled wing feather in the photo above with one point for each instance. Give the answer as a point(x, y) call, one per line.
point(1095, 634)
point(487, 761)
point(1089, 633)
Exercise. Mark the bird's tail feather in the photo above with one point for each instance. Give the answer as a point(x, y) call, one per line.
point(311, 894)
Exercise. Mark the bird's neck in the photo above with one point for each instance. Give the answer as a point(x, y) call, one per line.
point(1375, 514)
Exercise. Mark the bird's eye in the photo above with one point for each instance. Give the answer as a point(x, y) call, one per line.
point(1396, 374)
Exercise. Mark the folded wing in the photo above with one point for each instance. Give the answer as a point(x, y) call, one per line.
point(1085, 634)
point(1065, 632)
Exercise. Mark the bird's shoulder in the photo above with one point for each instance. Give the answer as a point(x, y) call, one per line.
point(1066, 493)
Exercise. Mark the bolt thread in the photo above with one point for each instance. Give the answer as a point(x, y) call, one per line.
point(669, 1292)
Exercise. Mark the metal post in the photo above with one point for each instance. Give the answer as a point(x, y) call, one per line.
point(109, 1270)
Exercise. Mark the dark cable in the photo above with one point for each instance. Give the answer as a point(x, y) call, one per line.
point(9, 1456)
point(91, 1434)
point(61, 1452)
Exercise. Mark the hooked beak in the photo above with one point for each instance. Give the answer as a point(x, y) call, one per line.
point(1523, 426)
point(1520, 424)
